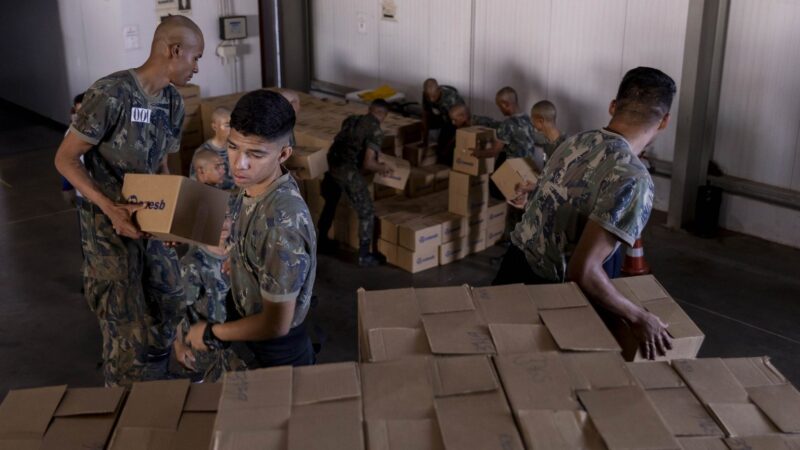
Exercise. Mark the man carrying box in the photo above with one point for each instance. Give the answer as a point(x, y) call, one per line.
point(273, 244)
point(354, 149)
point(593, 194)
point(129, 121)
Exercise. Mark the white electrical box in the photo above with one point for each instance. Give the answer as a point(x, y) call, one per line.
point(232, 27)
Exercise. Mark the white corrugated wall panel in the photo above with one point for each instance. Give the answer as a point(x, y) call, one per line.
point(512, 44)
point(759, 111)
point(655, 34)
point(450, 31)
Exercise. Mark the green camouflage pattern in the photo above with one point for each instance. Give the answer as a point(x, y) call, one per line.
point(130, 131)
point(358, 133)
point(595, 176)
point(518, 133)
point(449, 98)
point(483, 121)
point(133, 287)
point(227, 180)
point(355, 187)
point(550, 147)
point(274, 249)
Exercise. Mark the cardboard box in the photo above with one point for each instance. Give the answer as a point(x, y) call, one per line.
point(294, 408)
point(442, 176)
point(436, 403)
point(465, 185)
point(496, 212)
point(477, 225)
point(419, 233)
point(209, 104)
point(308, 163)
point(472, 204)
point(420, 182)
point(494, 233)
point(683, 413)
point(390, 224)
point(418, 155)
point(190, 93)
point(419, 260)
point(51, 418)
point(647, 292)
point(453, 250)
point(453, 225)
point(512, 172)
point(388, 250)
point(401, 169)
point(177, 208)
point(467, 140)
point(161, 415)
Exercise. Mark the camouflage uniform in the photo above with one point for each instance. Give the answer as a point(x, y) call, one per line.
point(132, 285)
point(358, 135)
point(439, 119)
point(484, 121)
point(518, 133)
point(550, 147)
point(227, 181)
point(206, 288)
point(593, 176)
point(273, 254)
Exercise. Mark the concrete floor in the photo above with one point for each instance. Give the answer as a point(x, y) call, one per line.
point(743, 292)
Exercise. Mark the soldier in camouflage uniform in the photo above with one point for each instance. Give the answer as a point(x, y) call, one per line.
point(593, 194)
point(273, 244)
point(221, 124)
point(548, 136)
point(436, 104)
point(355, 148)
point(460, 117)
point(129, 122)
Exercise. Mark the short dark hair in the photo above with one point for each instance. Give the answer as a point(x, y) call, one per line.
point(77, 99)
point(265, 114)
point(645, 94)
point(379, 103)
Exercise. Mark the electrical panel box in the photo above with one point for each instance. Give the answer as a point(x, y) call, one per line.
point(232, 27)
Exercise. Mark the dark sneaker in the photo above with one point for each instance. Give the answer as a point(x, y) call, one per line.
point(371, 260)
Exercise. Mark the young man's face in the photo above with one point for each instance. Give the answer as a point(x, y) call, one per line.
point(184, 63)
point(212, 172)
point(222, 128)
point(459, 117)
point(255, 163)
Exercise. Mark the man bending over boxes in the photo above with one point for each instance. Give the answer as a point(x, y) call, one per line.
point(593, 194)
point(354, 149)
point(273, 244)
point(221, 124)
point(129, 122)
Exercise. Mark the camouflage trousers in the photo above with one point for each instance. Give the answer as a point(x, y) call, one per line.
point(133, 286)
point(355, 188)
point(212, 364)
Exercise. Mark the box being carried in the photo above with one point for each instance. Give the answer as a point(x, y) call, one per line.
point(400, 171)
point(512, 172)
point(177, 208)
point(468, 140)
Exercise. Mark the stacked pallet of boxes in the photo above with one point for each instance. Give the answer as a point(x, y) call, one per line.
point(191, 132)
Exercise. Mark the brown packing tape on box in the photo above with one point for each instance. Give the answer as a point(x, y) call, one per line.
point(177, 208)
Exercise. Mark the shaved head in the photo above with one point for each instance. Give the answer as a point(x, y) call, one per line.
point(177, 47)
point(220, 113)
point(459, 115)
point(203, 156)
point(176, 30)
point(507, 94)
point(431, 89)
point(544, 109)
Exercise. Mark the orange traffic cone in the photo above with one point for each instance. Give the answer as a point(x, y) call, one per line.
point(634, 263)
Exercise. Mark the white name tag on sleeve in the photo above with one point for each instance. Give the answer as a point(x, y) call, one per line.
point(140, 115)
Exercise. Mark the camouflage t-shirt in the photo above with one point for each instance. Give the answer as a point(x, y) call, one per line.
point(449, 98)
point(205, 285)
point(550, 147)
point(517, 132)
point(357, 134)
point(274, 249)
point(595, 176)
point(130, 131)
point(227, 181)
point(484, 121)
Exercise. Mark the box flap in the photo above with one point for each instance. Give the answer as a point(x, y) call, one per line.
point(506, 304)
point(710, 380)
point(328, 426)
point(598, 370)
point(256, 399)
point(680, 325)
point(155, 404)
point(773, 442)
point(477, 421)
point(591, 335)
point(461, 375)
point(751, 372)
point(655, 375)
point(556, 296)
point(683, 413)
point(25, 413)
point(444, 299)
point(387, 344)
point(781, 403)
point(250, 440)
point(702, 443)
point(195, 430)
point(422, 434)
point(613, 412)
point(536, 381)
point(457, 333)
point(203, 397)
point(640, 289)
point(741, 419)
point(511, 338)
point(80, 401)
point(393, 308)
point(559, 430)
point(400, 389)
point(78, 432)
point(325, 382)
point(143, 438)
